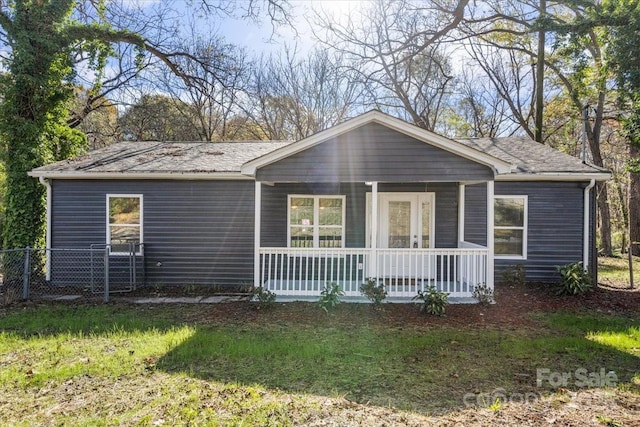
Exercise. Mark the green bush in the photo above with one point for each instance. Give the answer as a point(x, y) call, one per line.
point(432, 301)
point(514, 275)
point(575, 280)
point(330, 296)
point(264, 297)
point(374, 291)
point(483, 294)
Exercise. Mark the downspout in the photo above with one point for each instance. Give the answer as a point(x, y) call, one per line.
point(44, 181)
point(587, 228)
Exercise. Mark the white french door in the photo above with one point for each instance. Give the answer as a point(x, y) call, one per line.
point(406, 223)
point(406, 220)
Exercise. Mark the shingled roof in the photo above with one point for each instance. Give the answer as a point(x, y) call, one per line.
point(150, 157)
point(528, 159)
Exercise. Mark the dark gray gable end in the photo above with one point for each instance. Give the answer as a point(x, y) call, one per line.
point(373, 152)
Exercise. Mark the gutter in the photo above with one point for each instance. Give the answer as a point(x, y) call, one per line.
point(44, 181)
point(556, 176)
point(586, 228)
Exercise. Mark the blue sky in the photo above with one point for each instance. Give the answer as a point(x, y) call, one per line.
point(261, 38)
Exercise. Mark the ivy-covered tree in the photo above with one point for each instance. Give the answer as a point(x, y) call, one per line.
point(36, 88)
point(42, 40)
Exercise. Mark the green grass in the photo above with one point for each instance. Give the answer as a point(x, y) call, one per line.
point(113, 365)
point(614, 271)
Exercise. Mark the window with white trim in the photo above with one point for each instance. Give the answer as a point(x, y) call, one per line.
point(510, 226)
point(124, 223)
point(316, 221)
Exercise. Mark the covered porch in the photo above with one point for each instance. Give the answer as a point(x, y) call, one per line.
point(398, 247)
point(373, 198)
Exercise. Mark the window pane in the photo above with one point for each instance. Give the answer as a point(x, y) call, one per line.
point(509, 212)
point(301, 211)
point(124, 210)
point(508, 242)
point(122, 236)
point(330, 237)
point(330, 212)
point(301, 237)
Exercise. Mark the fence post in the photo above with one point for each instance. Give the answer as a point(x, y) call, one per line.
point(106, 274)
point(26, 273)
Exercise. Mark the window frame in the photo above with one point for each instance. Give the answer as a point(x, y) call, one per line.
point(140, 225)
point(524, 227)
point(316, 218)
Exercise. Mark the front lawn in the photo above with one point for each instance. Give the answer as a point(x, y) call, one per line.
point(229, 364)
point(614, 271)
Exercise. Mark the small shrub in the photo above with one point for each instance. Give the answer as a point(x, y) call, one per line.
point(514, 275)
point(432, 301)
point(330, 296)
point(483, 294)
point(374, 291)
point(264, 297)
point(575, 281)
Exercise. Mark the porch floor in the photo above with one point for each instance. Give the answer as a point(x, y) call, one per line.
point(364, 300)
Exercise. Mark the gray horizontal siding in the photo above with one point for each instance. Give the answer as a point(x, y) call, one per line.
point(374, 153)
point(475, 214)
point(201, 232)
point(554, 224)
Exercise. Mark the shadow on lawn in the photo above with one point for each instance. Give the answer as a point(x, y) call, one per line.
point(429, 368)
point(424, 370)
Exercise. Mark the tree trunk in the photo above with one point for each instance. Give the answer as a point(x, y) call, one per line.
point(634, 203)
point(624, 213)
point(605, 220)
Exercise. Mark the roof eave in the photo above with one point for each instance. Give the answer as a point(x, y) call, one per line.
point(203, 176)
point(556, 176)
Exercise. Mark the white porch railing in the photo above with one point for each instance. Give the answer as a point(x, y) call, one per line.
point(305, 271)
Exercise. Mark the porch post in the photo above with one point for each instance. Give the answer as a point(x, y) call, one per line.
point(256, 237)
point(373, 266)
point(490, 234)
point(461, 190)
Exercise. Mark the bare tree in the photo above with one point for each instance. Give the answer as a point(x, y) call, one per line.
point(400, 53)
point(158, 45)
point(483, 112)
point(219, 73)
point(575, 65)
point(291, 98)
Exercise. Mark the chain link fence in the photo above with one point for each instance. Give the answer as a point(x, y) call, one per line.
point(69, 273)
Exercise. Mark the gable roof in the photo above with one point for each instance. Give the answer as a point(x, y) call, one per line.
point(513, 158)
point(374, 116)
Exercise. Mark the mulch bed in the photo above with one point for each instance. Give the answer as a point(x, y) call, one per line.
point(513, 308)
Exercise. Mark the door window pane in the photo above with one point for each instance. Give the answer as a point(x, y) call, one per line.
point(426, 224)
point(399, 224)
